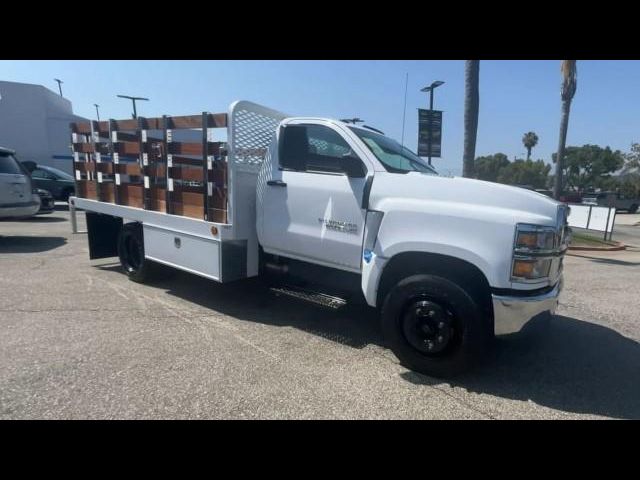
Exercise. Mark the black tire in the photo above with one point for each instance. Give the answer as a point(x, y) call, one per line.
point(131, 253)
point(66, 194)
point(466, 333)
point(633, 208)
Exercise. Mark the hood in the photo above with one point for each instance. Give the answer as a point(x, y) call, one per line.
point(462, 195)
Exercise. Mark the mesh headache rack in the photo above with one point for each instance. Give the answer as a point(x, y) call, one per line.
point(137, 163)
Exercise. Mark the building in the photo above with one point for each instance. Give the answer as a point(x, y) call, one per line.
point(34, 121)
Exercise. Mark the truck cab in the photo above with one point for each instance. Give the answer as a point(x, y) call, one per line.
point(354, 200)
point(338, 211)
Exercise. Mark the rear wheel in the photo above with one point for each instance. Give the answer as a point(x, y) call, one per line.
point(131, 253)
point(433, 325)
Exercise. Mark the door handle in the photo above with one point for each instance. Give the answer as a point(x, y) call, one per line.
point(276, 183)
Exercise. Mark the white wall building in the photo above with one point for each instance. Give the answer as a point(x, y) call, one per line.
point(34, 121)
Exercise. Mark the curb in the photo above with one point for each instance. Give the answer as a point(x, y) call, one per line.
point(615, 248)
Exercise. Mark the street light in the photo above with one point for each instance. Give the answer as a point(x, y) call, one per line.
point(133, 99)
point(430, 89)
point(60, 82)
point(97, 111)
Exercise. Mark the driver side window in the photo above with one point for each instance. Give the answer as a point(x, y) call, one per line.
point(41, 174)
point(322, 149)
point(326, 149)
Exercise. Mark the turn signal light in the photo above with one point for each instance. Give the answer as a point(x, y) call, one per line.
point(531, 269)
point(522, 268)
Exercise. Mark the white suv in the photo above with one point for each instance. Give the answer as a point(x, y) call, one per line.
point(17, 197)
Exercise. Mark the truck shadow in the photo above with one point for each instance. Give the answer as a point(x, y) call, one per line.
point(354, 325)
point(43, 219)
point(569, 365)
point(24, 244)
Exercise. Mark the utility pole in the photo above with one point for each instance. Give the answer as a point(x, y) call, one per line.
point(133, 99)
point(97, 111)
point(60, 82)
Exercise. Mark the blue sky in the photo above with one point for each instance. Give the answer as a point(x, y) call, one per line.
point(515, 96)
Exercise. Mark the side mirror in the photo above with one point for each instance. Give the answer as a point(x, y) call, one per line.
point(352, 166)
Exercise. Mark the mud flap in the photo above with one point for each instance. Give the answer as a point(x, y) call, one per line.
point(103, 231)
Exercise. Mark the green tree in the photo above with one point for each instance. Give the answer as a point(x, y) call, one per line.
point(632, 159)
point(629, 180)
point(529, 140)
point(567, 91)
point(488, 167)
point(471, 110)
point(525, 172)
point(590, 166)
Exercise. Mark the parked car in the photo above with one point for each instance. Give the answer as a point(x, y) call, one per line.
point(60, 184)
point(565, 197)
point(47, 202)
point(613, 199)
point(17, 197)
point(570, 197)
point(543, 191)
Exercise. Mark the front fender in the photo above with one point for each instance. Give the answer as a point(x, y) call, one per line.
point(484, 243)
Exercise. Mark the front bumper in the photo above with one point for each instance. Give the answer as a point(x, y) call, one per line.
point(512, 313)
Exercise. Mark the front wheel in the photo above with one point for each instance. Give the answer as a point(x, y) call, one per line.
point(433, 325)
point(633, 208)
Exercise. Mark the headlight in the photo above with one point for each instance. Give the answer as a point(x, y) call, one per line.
point(534, 248)
point(534, 239)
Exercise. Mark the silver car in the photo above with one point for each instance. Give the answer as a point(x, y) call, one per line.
point(17, 197)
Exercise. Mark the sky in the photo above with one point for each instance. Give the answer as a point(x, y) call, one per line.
point(515, 96)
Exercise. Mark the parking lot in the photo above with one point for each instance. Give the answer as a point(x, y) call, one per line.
point(79, 340)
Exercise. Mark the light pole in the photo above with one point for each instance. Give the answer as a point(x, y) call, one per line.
point(97, 111)
point(133, 99)
point(430, 89)
point(60, 82)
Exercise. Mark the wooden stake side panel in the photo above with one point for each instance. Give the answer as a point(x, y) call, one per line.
point(136, 163)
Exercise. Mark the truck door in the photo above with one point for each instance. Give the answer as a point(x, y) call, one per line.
point(312, 198)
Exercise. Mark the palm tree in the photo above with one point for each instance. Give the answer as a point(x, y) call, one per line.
point(567, 91)
point(471, 109)
point(530, 140)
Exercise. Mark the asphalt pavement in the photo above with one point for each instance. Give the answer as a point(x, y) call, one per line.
point(79, 340)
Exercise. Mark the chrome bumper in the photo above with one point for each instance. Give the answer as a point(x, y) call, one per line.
point(511, 313)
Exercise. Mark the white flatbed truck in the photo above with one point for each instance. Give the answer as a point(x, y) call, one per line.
point(333, 212)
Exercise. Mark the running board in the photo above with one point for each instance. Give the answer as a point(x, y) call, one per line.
point(310, 296)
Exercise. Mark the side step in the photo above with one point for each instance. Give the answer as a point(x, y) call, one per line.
point(310, 296)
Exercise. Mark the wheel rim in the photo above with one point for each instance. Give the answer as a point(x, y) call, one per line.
point(428, 327)
point(133, 256)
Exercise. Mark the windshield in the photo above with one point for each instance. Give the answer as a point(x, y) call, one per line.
point(57, 173)
point(392, 155)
